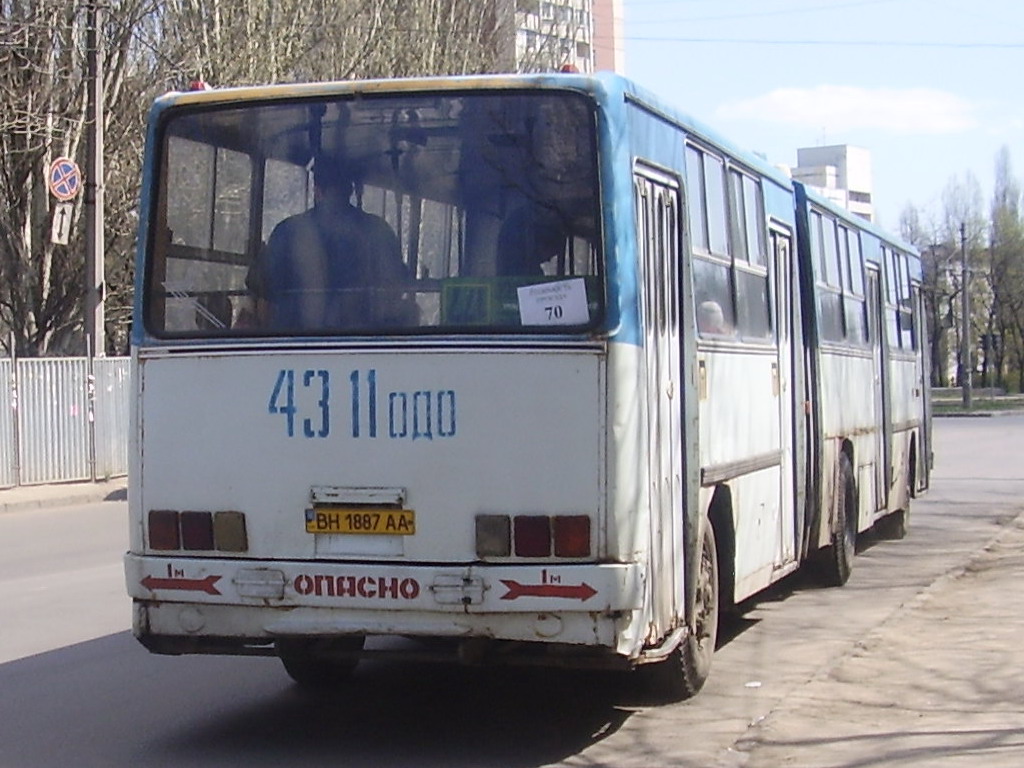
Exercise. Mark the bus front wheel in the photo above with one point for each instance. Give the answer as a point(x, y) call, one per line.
point(320, 663)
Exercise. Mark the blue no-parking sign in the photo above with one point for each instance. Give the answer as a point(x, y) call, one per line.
point(65, 178)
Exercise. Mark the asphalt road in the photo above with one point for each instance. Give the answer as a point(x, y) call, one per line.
point(808, 677)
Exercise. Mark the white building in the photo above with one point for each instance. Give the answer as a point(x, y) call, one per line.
point(584, 35)
point(840, 172)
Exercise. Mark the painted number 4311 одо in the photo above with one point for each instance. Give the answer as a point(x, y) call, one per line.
point(304, 399)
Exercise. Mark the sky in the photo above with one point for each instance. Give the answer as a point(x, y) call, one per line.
point(933, 88)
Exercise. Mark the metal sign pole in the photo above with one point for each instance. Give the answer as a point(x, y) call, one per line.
point(12, 388)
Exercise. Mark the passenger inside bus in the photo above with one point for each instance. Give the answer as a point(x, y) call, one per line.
point(333, 267)
point(711, 319)
point(529, 238)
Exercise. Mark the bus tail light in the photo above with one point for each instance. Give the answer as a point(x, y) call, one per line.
point(197, 531)
point(533, 536)
point(572, 536)
point(229, 532)
point(163, 530)
point(493, 536)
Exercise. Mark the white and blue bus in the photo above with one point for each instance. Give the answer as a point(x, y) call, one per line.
point(534, 369)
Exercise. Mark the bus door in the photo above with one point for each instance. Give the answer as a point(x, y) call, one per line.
point(785, 375)
point(657, 210)
point(883, 405)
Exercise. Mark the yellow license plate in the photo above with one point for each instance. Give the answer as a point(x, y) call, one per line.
point(356, 520)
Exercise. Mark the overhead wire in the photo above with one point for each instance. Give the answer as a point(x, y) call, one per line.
point(877, 43)
point(762, 14)
point(802, 9)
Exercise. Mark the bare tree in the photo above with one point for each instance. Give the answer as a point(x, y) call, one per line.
point(237, 42)
point(1006, 248)
point(937, 264)
point(157, 45)
point(962, 208)
point(39, 56)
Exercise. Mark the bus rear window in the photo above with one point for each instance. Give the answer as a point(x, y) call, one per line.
point(424, 213)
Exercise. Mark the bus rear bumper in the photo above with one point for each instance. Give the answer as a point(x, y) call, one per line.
point(239, 606)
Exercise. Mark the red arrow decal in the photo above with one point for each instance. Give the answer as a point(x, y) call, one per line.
point(191, 585)
point(581, 592)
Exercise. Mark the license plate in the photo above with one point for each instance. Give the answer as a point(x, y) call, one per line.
point(367, 521)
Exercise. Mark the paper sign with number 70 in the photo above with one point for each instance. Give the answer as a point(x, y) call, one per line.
point(559, 303)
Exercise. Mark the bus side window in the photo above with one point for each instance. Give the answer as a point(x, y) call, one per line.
point(712, 298)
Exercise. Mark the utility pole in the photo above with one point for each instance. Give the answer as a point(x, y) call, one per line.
point(94, 248)
point(966, 369)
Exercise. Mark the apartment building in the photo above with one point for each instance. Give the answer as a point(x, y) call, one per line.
point(584, 35)
point(842, 173)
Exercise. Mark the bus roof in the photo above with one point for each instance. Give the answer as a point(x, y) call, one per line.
point(607, 87)
point(811, 195)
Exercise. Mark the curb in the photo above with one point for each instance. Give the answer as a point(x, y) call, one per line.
point(32, 497)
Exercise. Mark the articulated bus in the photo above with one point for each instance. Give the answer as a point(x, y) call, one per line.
point(559, 378)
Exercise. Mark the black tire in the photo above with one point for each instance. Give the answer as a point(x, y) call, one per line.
point(684, 672)
point(836, 561)
point(894, 525)
point(312, 663)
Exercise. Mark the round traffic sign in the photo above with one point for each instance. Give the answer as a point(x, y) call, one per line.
point(65, 178)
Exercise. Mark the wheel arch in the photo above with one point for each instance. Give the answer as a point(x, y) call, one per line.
point(720, 517)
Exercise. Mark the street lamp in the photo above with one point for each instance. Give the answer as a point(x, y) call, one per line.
point(94, 288)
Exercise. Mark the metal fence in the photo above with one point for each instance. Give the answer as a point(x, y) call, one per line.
point(64, 419)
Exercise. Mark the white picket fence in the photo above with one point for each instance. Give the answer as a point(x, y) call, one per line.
point(65, 419)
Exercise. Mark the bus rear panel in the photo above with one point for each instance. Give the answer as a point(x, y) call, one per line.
point(439, 471)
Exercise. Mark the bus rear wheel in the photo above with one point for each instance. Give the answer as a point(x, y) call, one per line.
point(895, 524)
point(686, 669)
point(319, 663)
point(836, 561)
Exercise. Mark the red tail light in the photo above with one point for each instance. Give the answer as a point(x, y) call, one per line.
point(196, 530)
point(163, 529)
point(572, 536)
point(532, 535)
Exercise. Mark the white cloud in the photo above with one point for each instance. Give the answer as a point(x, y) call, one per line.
point(837, 108)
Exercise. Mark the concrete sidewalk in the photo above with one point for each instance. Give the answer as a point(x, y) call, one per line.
point(939, 684)
point(26, 497)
